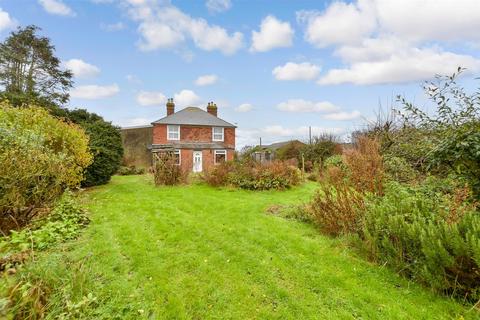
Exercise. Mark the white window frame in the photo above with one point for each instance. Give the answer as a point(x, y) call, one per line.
point(171, 129)
point(213, 134)
point(219, 152)
point(178, 151)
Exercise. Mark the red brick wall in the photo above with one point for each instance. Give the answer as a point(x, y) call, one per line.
point(196, 134)
point(207, 158)
point(193, 134)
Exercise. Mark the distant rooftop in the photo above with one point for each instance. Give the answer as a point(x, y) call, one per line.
point(194, 116)
point(278, 145)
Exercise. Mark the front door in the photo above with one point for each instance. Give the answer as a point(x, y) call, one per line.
point(197, 161)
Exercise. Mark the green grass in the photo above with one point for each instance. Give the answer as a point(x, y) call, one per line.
point(194, 252)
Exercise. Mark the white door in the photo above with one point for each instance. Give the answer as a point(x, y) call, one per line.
point(197, 161)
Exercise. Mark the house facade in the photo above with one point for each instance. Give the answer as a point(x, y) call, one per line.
point(198, 139)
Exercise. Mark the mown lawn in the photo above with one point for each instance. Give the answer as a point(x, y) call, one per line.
point(194, 252)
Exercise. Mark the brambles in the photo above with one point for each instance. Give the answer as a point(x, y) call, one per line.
point(166, 171)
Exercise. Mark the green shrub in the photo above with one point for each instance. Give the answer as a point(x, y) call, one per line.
point(105, 144)
point(63, 223)
point(130, 170)
point(428, 236)
point(334, 161)
point(399, 169)
point(254, 176)
point(320, 148)
point(40, 156)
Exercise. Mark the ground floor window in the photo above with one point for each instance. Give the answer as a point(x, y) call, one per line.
point(220, 156)
point(177, 157)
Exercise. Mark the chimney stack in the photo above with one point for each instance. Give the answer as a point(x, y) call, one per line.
point(170, 107)
point(212, 108)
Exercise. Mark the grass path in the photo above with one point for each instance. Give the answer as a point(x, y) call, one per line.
point(194, 252)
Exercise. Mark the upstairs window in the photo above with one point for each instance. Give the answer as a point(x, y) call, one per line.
point(217, 134)
point(173, 132)
point(220, 156)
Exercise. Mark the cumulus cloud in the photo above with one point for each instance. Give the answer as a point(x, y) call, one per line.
point(340, 23)
point(215, 6)
point(151, 98)
point(56, 7)
point(91, 92)
point(343, 116)
point(186, 98)
point(6, 21)
point(81, 69)
point(382, 41)
point(273, 34)
point(296, 71)
point(244, 107)
point(206, 80)
point(403, 65)
point(300, 105)
point(165, 26)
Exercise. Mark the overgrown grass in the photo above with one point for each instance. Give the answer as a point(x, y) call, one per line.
point(195, 252)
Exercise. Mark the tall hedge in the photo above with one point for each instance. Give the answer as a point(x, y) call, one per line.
point(105, 144)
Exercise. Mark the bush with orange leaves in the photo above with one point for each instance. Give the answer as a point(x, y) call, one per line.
point(338, 207)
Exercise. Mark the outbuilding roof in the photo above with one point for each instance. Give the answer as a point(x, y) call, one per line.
point(194, 116)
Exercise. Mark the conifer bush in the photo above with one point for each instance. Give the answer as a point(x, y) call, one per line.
point(432, 238)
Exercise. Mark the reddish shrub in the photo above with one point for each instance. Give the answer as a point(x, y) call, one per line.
point(338, 207)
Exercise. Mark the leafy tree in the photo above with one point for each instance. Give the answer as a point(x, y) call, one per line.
point(105, 144)
point(322, 147)
point(454, 129)
point(30, 71)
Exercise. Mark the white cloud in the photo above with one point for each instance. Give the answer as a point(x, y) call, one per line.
point(343, 116)
point(426, 20)
point(81, 69)
point(56, 7)
point(214, 6)
point(244, 107)
point(408, 64)
point(340, 23)
point(300, 105)
point(296, 71)
point(151, 98)
point(92, 92)
point(186, 98)
point(6, 21)
point(163, 27)
point(383, 41)
point(206, 80)
point(112, 27)
point(273, 34)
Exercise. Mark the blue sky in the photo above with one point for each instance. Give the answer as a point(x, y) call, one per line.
point(273, 67)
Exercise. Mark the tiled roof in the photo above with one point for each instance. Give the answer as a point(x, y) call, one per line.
point(194, 116)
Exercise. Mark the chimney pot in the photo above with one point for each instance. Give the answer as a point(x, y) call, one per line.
point(212, 108)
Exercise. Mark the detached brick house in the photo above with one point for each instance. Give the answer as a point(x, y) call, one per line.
point(198, 138)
